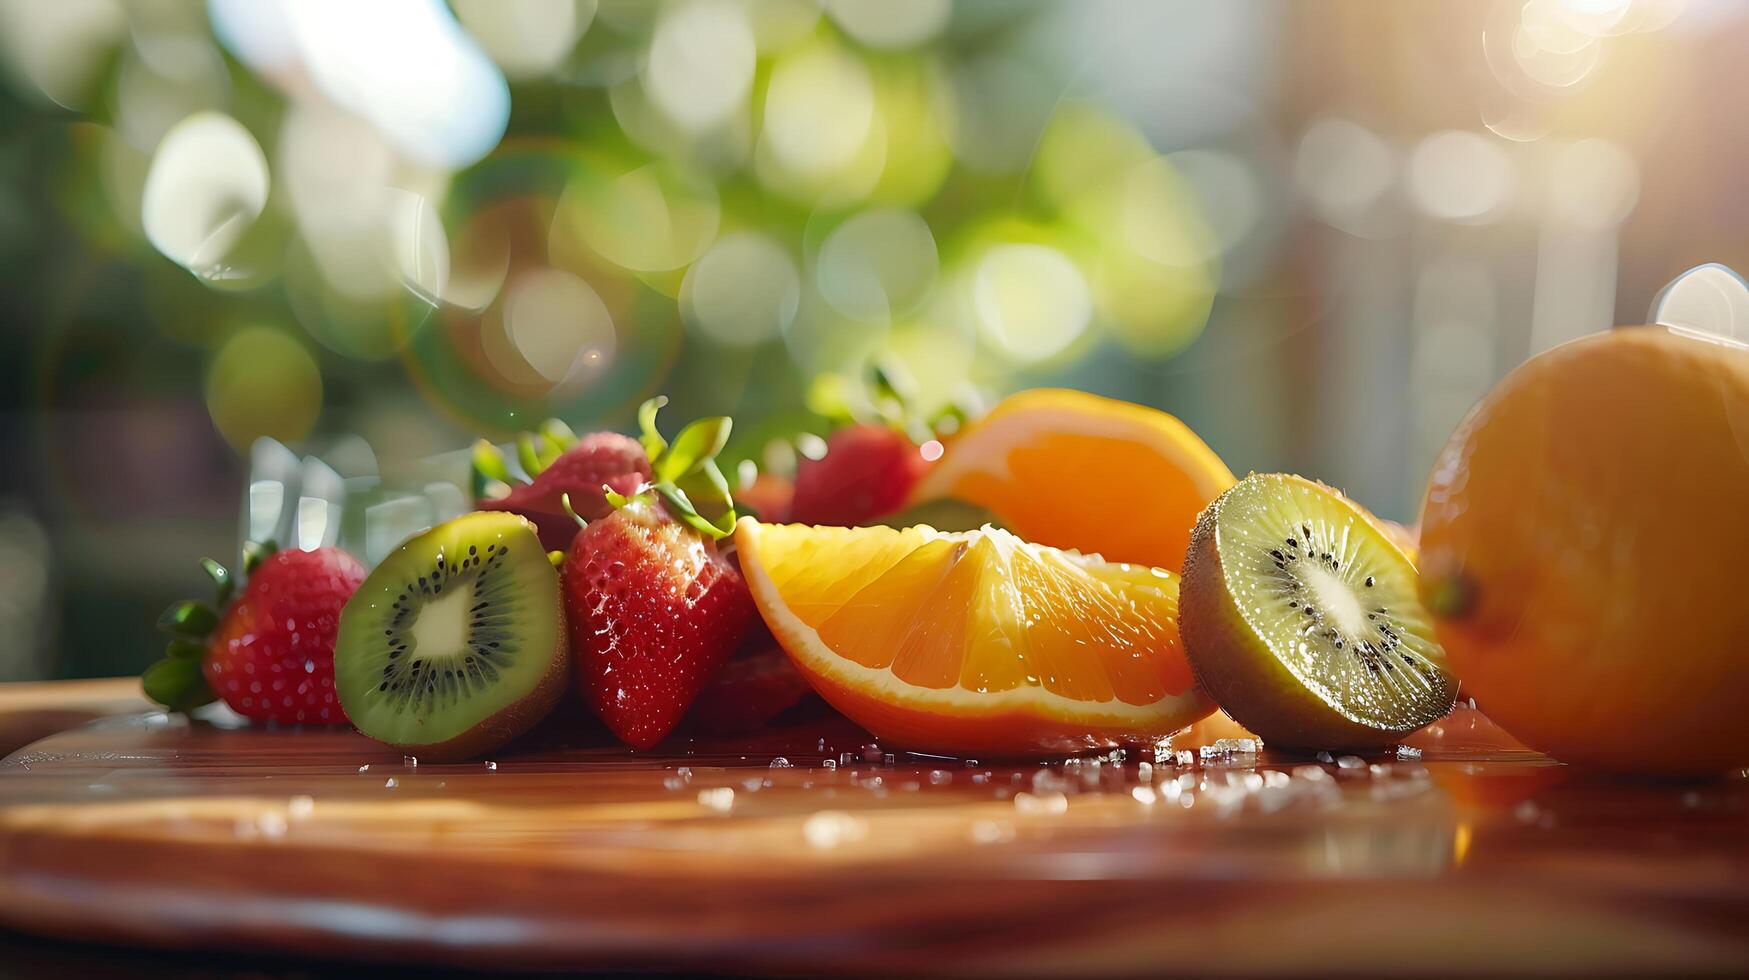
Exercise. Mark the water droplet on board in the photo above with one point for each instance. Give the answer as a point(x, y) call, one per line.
point(828, 829)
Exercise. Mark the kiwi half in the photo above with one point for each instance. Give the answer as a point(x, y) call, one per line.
point(1300, 618)
point(455, 644)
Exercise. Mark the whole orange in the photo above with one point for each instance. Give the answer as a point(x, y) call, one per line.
point(1583, 542)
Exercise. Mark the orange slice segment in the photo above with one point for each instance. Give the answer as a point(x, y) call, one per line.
point(1053, 464)
point(974, 642)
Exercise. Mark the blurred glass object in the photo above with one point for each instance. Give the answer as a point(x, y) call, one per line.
point(1710, 299)
point(27, 610)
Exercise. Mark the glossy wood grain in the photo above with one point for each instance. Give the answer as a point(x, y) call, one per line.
point(37, 710)
point(570, 852)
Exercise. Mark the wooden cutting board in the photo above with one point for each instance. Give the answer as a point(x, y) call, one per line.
point(717, 855)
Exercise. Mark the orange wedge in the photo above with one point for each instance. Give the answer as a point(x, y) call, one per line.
point(977, 641)
point(1073, 470)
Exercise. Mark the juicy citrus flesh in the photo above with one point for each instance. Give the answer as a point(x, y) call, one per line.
point(974, 641)
point(1306, 625)
point(1047, 462)
point(1587, 526)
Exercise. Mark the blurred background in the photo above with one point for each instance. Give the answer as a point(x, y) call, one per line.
point(1315, 231)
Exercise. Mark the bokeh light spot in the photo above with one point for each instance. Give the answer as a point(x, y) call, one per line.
point(1460, 176)
point(409, 68)
point(61, 46)
point(1031, 300)
point(527, 38)
point(742, 291)
point(818, 110)
point(890, 24)
point(263, 383)
point(651, 219)
point(559, 327)
point(877, 264)
point(207, 185)
point(1346, 170)
point(701, 60)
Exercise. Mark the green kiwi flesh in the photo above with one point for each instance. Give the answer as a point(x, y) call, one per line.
point(455, 644)
point(1300, 618)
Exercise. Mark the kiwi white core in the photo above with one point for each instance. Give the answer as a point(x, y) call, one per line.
point(1336, 598)
point(442, 627)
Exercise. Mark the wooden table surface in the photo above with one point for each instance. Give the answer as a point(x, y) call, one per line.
point(570, 852)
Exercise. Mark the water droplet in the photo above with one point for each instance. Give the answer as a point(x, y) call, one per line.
point(1043, 804)
point(390, 783)
point(991, 832)
point(300, 807)
point(410, 761)
point(780, 763)
point(491, 767)
point(939, 778)
point(1351, 762)
point(1408, 752)
point(720, 798)
point(1144, 795)
point(830, 828)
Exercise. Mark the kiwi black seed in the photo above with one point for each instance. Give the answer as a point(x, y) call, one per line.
point(455, 644)
point(1300, 618)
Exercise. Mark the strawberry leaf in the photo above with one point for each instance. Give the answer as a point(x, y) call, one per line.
point(177, 684)
point(185, 650)
point(559, 434)
point(571, 512)
point(696, 445)
point(680, 506)
point(652, 441)
point(528, 456)
point(222, 580)
point(489, 469)
point(188, 618)
point(256, 552)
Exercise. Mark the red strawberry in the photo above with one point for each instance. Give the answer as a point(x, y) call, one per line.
point(653, 606)
point(654, 609)
point(867, 473)
point(768, 497)
point(271, 656)
point(560, 464)
point(756, 685)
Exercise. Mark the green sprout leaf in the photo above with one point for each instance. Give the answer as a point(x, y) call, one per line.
point(223, 581)
point(702, 501)
point(696, 444)
point(188, 618)
point(652, 441)
point(528, 456)
point(558, 433)
point(254, 553)
point(177, 684)
point(185, 650)
point(681, 507)
point(571, 512)
point(489, 470)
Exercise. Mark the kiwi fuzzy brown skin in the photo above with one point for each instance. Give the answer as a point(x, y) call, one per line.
point(1233, 667)
point(512, 721)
